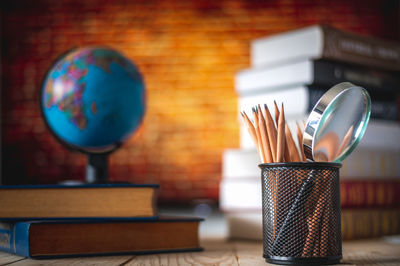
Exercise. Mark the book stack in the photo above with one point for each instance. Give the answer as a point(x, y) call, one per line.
point(296, 68)
point(86, 220)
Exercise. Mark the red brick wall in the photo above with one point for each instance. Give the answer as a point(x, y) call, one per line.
point(188, 52)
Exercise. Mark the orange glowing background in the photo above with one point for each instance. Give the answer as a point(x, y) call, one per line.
point(188, 53)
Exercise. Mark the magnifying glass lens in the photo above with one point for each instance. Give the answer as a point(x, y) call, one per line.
point(337, 123)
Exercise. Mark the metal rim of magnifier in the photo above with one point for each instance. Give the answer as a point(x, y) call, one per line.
point(322, 110)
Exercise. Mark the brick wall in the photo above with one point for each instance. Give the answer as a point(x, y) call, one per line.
point(188, 53)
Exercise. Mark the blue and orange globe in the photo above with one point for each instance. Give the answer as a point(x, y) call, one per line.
point(93, 99)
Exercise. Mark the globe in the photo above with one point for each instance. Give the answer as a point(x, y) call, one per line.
point(93, 99)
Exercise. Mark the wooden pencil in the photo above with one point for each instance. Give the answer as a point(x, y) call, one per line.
point(324, 236)
point(271, 132)
point(293, 152)
point(286, 155)
point(345, 141)
point(314, 228)
point(281, 136)
point(300, 140)
point(326, 148)
point(258, 134)
point(252, 132)
point(264, 137)
point(276, 113)
point(317, 242)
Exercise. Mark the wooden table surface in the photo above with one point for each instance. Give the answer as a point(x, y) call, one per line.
point(221, 252)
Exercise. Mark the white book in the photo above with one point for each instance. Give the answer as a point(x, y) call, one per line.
point(240, 194)
point(240, 163)
point(322, 74)
point(380, 134)
point(300, 100)
point(371, 163)
point(365, 163)
point(273, 78)
point(325, 42)
point(296, 101)
point(286, 46)
point(245, 225)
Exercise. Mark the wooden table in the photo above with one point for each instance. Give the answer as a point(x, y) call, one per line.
point(222, 252)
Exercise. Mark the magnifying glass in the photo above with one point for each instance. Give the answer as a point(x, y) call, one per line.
point(337, 123)
point(334, 128)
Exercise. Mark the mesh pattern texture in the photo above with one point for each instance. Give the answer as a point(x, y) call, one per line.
point(301, 211)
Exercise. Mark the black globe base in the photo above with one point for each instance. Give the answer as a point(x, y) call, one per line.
point(97, 168)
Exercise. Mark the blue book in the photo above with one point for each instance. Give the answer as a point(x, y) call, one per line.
point(73, 238)
point(94, 201)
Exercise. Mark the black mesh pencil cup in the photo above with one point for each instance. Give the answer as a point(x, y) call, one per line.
point(301, 213)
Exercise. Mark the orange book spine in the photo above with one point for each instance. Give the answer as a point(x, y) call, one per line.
point(369, 223)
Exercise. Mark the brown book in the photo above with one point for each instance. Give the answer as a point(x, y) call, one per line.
point(361, 193)
point(44, 239)
point(324, 42)
point(369, 223)
point(80, 201)
point(355, 223)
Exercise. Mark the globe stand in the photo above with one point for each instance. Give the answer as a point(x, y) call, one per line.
point(97, 168)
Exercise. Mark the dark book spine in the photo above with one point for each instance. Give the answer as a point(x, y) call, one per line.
point(380, 109)
point(368, 51)
point(14, 238)
point(369, 223)
point(330, 73)
point(368, 194)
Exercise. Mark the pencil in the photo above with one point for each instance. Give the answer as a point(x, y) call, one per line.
point(252, 131)
point(300, 140)
point(293, 152)
point(324, 236)
point(345, 141)
point(326, 148)
point(286, 155)
point(264, 137)
point(276, 113)
point(281, 136)
point(258, 134)
point(314, 227)
point(271, 132)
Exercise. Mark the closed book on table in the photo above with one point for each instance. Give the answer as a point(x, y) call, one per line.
point(323, 73)
point(364, 193)
point(382, 135)
point(46, 239)
point(361, 193)
point(300, 100)
point(363, 164)
point(321, 41)
point(77, 201)
point(355, 223)
point(370, 223)
point(369, 178)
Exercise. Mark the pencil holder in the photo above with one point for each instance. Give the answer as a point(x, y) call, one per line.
point(301, 213)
